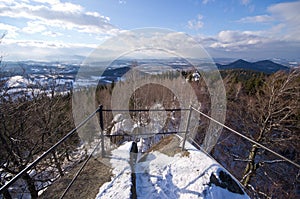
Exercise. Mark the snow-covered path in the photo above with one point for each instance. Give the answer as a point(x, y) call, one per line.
point(120, 185)
point(191, 174)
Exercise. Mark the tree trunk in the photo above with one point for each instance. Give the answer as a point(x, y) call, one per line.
point(251, 167)
point(5, 193)
point(30, 186)
point(57, 164)
point(68, 155)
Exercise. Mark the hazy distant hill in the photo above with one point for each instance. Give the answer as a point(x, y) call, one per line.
point(265, 66)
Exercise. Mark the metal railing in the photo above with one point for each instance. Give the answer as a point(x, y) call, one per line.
point(275, 170)
point(100, 111)
point(247, 138)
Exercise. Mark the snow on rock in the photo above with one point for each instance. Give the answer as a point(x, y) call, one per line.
point(118, 118)
point(184, 176)
point(121, 125)
point(145, 131)
point(190, 174)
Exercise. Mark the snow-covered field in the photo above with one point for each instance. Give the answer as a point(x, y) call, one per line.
point(193, 175)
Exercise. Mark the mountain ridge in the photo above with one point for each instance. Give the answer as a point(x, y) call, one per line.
point(265, 66)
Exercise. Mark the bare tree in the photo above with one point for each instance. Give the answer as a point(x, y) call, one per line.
point(30, 124)
point(275, 111)
point(269, 114)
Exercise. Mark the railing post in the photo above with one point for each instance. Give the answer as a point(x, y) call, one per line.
point(187, 128)
point(102, 129)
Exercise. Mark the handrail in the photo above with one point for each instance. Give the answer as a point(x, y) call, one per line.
point(36, 161)
point(160, 133)
point(247, 138)
point(145, 110)
point(100, 110)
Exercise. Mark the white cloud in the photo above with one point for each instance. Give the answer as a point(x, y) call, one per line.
point(256, 19)
point(284, 16)
point(34, 27)
point(281, 38)
point(228, 36)
point(67, 7)
point(52, 19)
point(47, 1)
point(58, 14)
point(238, 40)
point(196, 24)
point(149, 43)
point(206, 1)
point(7, 1)
point(45, 44)
point(288, 16)
point(250, 44)
point(245, 2)
point(122, 2)
point(43, 50)
point(52, 34)
point(9, 30)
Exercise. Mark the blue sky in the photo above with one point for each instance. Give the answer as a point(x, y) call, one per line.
point(55, 30)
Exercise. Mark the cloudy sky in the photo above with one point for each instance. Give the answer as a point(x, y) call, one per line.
point(58, 30)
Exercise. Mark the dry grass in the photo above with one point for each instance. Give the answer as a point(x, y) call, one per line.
point(169, 145)
point(87, 185)
point(185, 154)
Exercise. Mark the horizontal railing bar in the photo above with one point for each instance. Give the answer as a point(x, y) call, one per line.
point(36, 161)
point(164, 133)
point(247, 138)
point(143, 110)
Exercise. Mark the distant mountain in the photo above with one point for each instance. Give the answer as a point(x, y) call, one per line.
point(116, 72)
point(265, 66)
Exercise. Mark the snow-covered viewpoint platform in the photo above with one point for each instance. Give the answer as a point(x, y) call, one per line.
point(164, 171)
